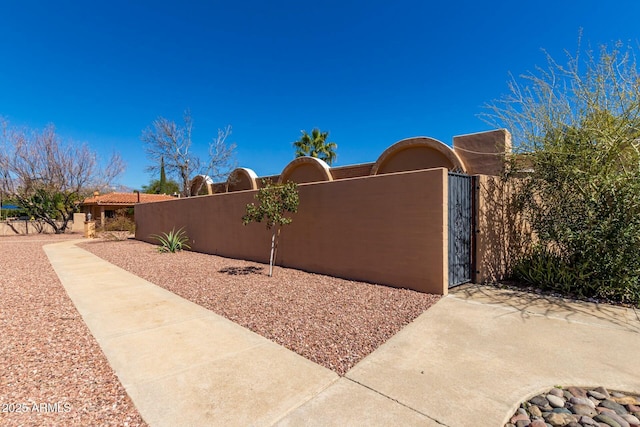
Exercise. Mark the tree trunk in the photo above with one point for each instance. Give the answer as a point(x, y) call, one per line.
point(273, 249)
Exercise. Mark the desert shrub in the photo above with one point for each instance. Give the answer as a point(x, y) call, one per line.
point(579, 127)
point(173, 241)
point(120, 227)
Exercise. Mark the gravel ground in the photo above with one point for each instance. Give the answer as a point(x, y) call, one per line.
point(330, 321)
point(52, 370)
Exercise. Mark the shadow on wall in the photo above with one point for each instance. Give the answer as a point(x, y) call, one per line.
point(503, 235)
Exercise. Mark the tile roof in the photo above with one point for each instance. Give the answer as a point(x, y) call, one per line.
point(125, 199)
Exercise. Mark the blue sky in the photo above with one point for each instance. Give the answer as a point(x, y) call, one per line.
point(371, 73)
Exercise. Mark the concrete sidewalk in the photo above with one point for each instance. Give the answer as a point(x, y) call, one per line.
point(467, 361)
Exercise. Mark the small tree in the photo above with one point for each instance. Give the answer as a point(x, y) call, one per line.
point(169, 146)
point(316, 145)
point(275, 200)
point(47, 177)
point(154, 187)
point(577, 126)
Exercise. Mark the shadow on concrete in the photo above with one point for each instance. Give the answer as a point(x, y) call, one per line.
point(531, 304)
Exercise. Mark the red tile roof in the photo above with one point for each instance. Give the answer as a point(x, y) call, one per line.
point(125, 199)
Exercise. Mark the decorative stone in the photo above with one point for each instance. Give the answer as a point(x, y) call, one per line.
point(587, 410)
point(602, 391)
point(617, 418)
point(633, 408)
point(555, 401)
point(557, 392)
point(577, 392)
point(598, 395)
point(561, 411)
point(558, 419)
point(606, 419)
point(519, 417)
point(539, 401)
point(535, 411)
point(626, 400)
point(567, 394)
point(523, 423)
point(582, 401)
point(538, 423)
point(588, 421)
point(618, 408)
point(631, 419)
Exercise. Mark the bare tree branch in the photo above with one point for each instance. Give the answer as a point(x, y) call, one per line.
point(164, 139)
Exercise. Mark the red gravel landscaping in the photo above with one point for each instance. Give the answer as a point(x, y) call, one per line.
point(53, 371)
point(330, 321)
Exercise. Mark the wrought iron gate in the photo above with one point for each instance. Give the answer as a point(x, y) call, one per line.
point(460, 228)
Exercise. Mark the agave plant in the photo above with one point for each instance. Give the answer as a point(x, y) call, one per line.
point(173, 241)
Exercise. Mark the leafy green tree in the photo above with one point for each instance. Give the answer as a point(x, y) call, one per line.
point(170, 187)
point(48, 177)
point(577, 130)
point(163, 178)
point(316, 145)
point(274, 201)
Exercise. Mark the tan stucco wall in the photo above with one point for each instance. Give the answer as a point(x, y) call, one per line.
point(12, 228)
point(388, 229)
point(502, 235)
point(413, 158)
point(483, 153)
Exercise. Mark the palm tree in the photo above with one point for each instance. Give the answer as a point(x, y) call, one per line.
point(316, 145)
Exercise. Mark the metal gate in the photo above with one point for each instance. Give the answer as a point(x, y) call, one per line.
point(460, 228)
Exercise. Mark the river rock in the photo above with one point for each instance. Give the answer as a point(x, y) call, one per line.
point(588, 421)
point(539, 400)
point(559, 419)
point(602, 391)
point(534, 411)
point(555, 401)
point(519, 417)
point(587, 410)
point(606, 419)
point(577, 392)
point(598, 395)
point(626, 400)
point(618, 408)
point(557, 392)
point(631, 419)
point(582, 401)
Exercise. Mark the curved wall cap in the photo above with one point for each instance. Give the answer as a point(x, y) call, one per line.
point(417, 142)
point(244, 174)
point(207, 179)
point(318, 167)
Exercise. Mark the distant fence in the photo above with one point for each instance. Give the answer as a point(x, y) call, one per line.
point(17, 227)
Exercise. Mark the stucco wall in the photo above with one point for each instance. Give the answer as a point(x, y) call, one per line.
point(502, 234)
point(388, 229)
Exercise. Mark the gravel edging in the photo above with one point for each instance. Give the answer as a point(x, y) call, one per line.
point(53, 371)
point(330, 321)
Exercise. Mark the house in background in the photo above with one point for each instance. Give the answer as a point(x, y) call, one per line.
point(102, 206)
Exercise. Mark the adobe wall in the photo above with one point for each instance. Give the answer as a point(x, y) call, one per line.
point(502, 234)
point(389, 229)
point(483, 153)
point(18, 227)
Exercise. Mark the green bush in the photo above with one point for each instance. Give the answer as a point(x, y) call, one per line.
point(578, 128)
point(173, 241)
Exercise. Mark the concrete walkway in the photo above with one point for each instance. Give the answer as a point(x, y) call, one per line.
point(467, 361)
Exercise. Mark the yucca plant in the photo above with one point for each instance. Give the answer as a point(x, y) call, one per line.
point(173, 241)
